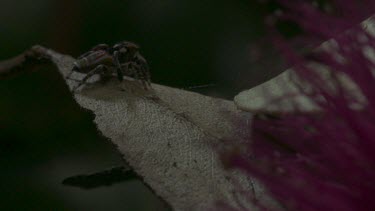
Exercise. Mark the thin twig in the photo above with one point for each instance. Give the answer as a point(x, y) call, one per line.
point(33, 56)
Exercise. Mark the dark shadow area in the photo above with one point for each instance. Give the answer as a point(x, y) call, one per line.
point(212, 47)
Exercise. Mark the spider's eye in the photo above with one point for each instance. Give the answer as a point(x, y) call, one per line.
point(123, 50)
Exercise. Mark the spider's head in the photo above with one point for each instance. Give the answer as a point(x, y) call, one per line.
point(126, 47)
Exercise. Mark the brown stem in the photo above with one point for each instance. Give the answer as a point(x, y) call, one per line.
point(35, 55)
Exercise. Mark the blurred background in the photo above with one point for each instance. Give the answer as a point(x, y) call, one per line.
point(45, 137)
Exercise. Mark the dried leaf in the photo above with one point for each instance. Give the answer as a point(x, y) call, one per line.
point(166, 135)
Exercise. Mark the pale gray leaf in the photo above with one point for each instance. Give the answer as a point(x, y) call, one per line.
point(167, 136)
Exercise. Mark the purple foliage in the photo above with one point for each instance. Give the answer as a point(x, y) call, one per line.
point(324, 160)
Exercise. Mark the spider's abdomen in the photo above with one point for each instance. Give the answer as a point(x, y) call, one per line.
point(92, 60)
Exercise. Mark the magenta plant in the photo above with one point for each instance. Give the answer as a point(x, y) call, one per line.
point(323, 160)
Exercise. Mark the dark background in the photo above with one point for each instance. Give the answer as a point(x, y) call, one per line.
point(45, 137)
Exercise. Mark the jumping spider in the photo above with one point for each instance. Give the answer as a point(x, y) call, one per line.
point(121, 59)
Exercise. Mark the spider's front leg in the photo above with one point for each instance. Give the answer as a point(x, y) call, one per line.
point(100, 69)
point(119, 68)
point(145, 70)
point(137, 72)
point(142, 70)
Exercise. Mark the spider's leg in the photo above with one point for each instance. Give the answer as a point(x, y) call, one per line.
point(146, 76)
point(104, 47)
point(84, 55)
point(135, 71)
point(74, 69)
point(132, 70)
point(145, 84)
point(128, 69)
point(140, 75)
point(73, 79)
point(98, 69)
point(120, 71)
point(144, 69)
point(69, 74)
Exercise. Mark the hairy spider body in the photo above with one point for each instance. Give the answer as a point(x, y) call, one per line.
point(122, 59)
